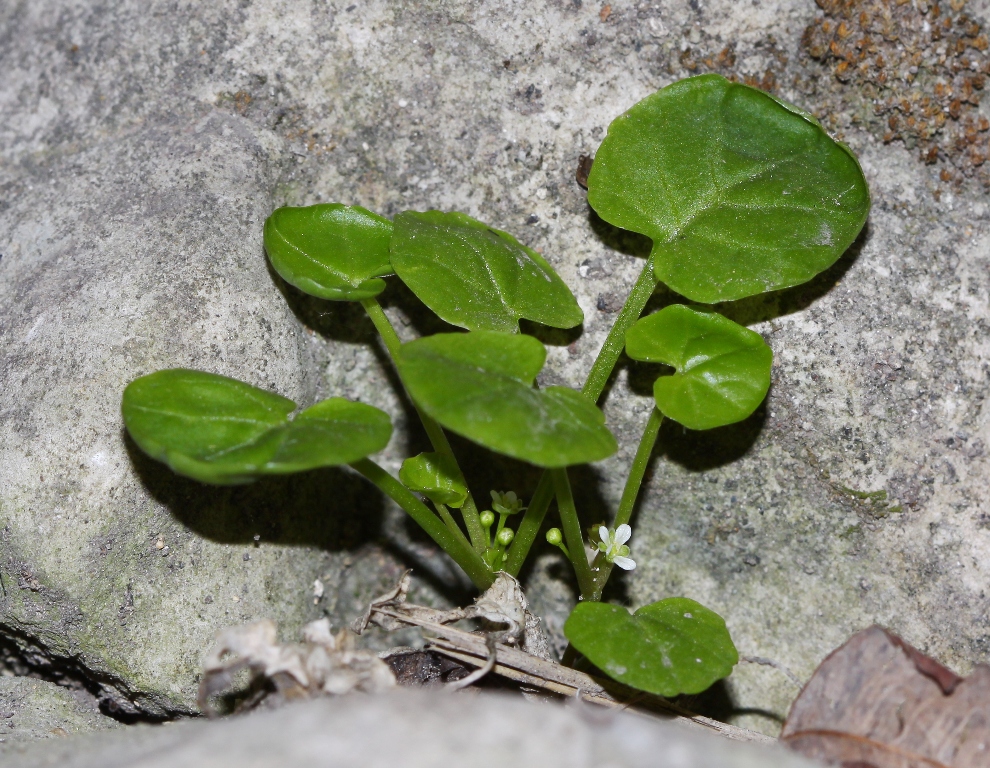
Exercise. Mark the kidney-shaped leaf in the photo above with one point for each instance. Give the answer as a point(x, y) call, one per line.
point(332, 251)
point(723, 369)
point(435, 476)
point(220, 430)
point(740, 193)
point(480, 385)
point(477, 277)
point(670, 647)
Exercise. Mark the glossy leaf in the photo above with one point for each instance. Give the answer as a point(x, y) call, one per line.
point(480, 385)
point(220, 430)
point(723, 369)
point(476, 277)
point(332, 251)
point(670, 647)
point(740, 193)
point(436, 477)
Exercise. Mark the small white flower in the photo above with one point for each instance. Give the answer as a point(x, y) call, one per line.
point(613, 544)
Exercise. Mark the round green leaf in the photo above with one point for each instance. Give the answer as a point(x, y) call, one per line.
point(332, 251)
point(436, 476)
point(480, 385)
point(740, 193)
point(220, 430)
point(670, 647)
point(723, 369)
point(476, 277)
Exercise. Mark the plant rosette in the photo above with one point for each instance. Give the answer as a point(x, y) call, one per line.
point(740, 194)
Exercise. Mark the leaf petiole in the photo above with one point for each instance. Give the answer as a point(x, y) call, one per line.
point(456, 547)
point(600, 372)
point(572, 531)
point(608, 355)
point(529, 528)
point(448, 519)
point(434, 431)
point(601, 567)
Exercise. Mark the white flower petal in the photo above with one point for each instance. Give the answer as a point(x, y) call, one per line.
point(606, 539)
point(625, 563)
point(622, 534)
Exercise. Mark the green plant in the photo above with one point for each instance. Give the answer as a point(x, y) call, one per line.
point(740, 193)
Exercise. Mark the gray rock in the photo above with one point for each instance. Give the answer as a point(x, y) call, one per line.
point(410, 729)
point(141, 150)
point(131, 223)
point(33, 709)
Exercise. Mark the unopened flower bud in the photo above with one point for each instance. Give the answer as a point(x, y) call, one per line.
point(505, 537)
point(555, 537)
point(487, 518)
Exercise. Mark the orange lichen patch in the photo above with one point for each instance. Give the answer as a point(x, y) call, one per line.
point(713, 55)
point(920, 65)
point(242, 100)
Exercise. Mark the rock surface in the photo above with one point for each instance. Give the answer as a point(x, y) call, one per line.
point(409, 729)
point(140, 150)
point(32, 709)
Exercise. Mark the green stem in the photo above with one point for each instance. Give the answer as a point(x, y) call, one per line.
point(472, 520)
point(433, 430)
point(608, 356)
point(450, 522)
point(384, 327)
point(602, 368)
point(454, 546)
point(601, 567)
point(529, 528)
point(638, 469)
point(572, 531)
point(501, 523)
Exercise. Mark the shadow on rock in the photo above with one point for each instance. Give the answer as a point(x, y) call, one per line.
point(716, 702)
point(343, 321)
point(768, 306)
point(552, 337)
point(748, 311)
point(618, 239)
point(699, 451)
point(329, 508)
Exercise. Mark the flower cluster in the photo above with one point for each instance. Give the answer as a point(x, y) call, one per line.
point(506, 503)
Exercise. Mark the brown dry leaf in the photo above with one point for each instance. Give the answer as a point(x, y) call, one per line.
point(877, 702)
point(324, 663)
point(583, 169)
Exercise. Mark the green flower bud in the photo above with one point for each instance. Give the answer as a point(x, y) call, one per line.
point(506, 503)
point(505, 537)
point(555, 537)
point(487, 518)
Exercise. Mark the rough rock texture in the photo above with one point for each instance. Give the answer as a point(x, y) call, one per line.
point(130, 218)
point(410, 729)
point(37, 709)
point(142, 147)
